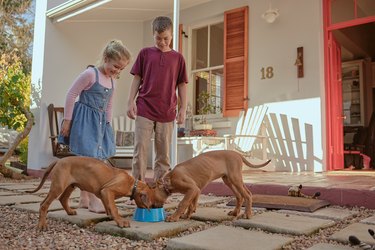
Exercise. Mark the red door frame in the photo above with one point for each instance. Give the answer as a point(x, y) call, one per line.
point(334, 155)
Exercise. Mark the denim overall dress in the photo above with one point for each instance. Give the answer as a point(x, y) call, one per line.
point(90, 133)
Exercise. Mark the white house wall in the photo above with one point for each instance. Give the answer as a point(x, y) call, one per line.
point(275, 45)
point(71, 46)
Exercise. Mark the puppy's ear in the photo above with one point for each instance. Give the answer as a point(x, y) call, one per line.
point(145, 200)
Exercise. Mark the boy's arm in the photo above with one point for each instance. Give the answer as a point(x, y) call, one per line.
point(182, 89)
point(132, 107)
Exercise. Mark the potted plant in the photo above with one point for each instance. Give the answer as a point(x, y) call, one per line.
point(205, 108)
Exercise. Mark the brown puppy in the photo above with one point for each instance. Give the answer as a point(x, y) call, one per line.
point(191, 176)
point(92, 175)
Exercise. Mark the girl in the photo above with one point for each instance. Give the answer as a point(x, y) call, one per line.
point(86, 127)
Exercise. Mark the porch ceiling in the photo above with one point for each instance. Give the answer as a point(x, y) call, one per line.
point(132, 10)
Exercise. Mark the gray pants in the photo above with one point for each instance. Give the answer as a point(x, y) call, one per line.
point(144, 129)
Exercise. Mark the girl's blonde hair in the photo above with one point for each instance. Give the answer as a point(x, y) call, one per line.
point(115, 50)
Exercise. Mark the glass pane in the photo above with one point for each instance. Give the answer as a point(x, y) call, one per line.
point(365, 8)
point(216, 44)
point(342, 10)
point(200, 48)
point(217, 82)
point(201, 85)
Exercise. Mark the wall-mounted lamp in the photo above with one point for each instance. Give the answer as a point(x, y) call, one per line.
point(270, 15)
point(299, 62)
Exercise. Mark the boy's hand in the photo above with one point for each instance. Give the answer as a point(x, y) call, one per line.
point(132, 110)
point(65, 128)
point(180, 119)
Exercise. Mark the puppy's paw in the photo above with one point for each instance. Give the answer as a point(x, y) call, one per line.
point(233, 213)
point(123, 223)
point(71, 212)
point(42, 227)
point(246, 215)
point(172, 218)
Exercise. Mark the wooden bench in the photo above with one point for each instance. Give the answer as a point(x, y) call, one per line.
point(120, 124)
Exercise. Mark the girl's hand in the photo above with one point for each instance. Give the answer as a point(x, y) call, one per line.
point(180, 119)
point(65, 128)
point(132, 110)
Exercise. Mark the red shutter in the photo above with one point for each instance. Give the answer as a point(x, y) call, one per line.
point(235, 61)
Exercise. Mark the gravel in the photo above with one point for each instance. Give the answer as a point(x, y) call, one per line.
point(18, 231)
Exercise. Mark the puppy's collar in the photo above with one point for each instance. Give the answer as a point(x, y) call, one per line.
point(134, 189)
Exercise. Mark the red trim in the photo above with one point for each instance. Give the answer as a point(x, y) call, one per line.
point(326, 21)
point(351, 23)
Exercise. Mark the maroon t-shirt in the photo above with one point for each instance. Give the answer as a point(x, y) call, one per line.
point(160, 73)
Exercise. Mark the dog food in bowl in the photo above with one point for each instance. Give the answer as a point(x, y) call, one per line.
point(149, 215)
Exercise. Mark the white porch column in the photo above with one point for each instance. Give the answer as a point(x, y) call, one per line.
point(176, 17)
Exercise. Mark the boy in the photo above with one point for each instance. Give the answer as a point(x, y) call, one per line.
point(158, 71)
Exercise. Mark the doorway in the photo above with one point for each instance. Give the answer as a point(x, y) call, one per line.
point(349, 31)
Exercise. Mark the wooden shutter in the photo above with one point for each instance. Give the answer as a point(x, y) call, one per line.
point(235, 61)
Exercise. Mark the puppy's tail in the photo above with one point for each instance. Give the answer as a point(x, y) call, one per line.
point(48, 171)
point(254, 165)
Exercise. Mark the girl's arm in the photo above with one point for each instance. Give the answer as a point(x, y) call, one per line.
point(82, 82)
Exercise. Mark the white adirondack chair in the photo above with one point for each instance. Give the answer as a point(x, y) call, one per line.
point(249, 128)
point(123, 124)
point(290, 147)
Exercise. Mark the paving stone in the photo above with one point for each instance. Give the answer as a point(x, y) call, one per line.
point(206, 200)
point(34, 207)
point(326, 246)
point(369, 220)
point(284, 223)
point(19, 186)
point(330, 213)
point(225, 237)
point(360, 230)
point(7, 193)
point(147, 231)
point(212, 214)
point(84, 217)
point(19, 199)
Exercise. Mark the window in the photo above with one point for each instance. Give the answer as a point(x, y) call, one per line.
point(220, 63)
point(208, 64)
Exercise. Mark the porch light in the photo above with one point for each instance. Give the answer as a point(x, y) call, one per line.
point(270, 15)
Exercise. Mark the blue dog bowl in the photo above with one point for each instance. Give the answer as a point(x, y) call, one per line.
point(152, 215)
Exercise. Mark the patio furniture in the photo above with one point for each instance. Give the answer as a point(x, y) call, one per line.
point(120, 126)
point(292, 150)
point(55, 117)
point(250, 127)
point(123, 128)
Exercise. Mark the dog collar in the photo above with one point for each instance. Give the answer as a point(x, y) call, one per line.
point(134, 189)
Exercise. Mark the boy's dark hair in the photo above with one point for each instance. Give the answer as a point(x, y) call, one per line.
point(161, 24)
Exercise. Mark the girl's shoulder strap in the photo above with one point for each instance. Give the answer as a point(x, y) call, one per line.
point(96, 72)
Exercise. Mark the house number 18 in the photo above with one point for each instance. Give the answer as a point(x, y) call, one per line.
point(267, 73)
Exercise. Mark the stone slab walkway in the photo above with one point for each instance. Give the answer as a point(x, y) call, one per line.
point(360, 230)
point(285, 223)
point(225, 237)
point(210, 227)
point(146, 230)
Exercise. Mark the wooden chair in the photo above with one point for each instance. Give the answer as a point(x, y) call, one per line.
point(250, 128)
point(291, 150)
point(55, 117)
point(123, 128)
